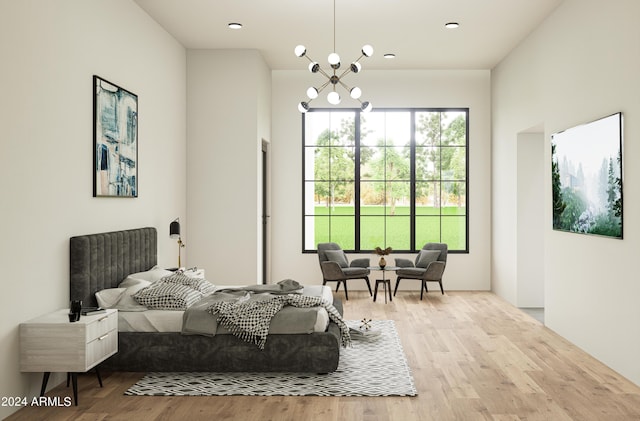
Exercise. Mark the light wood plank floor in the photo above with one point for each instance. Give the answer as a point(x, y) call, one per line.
point(473, 357)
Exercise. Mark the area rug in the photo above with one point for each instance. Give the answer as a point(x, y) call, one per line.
point(374, 367)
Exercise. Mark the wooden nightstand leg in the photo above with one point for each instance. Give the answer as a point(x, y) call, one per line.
point(45, 380)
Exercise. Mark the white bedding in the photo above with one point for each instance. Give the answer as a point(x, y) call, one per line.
point(171, 320)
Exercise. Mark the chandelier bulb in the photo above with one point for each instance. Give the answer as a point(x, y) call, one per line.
point(356, 67)
point(367, 50)
point(312, 93)
point(303, 107)
point(333, 59)
point(333, 97)
point(366, 106)
point(300, 50)
point(314, 67)
point(355, 92)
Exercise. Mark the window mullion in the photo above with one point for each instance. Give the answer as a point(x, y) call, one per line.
point(412, 182)
point(356, 180)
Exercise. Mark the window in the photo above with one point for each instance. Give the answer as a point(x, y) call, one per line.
point(388, 178)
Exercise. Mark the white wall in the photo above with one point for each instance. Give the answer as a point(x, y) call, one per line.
point(50, 51)
point(228, 110)
point(531, 221)
point(384, 89)
point(581, 64)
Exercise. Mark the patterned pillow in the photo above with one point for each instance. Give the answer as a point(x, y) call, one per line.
point(167, 296)
point(199, 284)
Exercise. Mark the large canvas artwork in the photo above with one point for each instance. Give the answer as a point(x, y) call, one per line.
point(586, 169)
point(115, 129)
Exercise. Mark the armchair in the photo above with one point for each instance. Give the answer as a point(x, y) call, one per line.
point(336, 267)
point(428, 266)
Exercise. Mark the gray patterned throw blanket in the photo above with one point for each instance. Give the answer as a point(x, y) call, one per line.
point(254, 311)
point(249, 320)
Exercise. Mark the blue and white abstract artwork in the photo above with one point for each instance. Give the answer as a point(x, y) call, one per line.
point(115, 128)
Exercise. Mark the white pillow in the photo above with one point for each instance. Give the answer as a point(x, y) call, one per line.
point(151, 275)
point(134, 282)
point(108, 298)
point(127, 302)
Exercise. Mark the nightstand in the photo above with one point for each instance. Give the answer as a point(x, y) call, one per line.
point(51, 343)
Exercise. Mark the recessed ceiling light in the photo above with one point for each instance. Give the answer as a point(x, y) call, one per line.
point(451, 25)
point(389, 55)
point(235, 25)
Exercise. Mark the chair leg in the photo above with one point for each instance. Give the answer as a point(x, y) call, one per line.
point(346, 294)
point(423, 288)
point(366, 278)
point(441, 289)
point(396, 288)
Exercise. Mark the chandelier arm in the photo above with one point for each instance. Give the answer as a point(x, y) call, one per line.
point(325, 74)
point(359, 58)
point(346, 71)
point(324, 85)
point(344, 86)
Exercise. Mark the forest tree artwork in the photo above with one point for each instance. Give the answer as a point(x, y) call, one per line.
point(586, 171)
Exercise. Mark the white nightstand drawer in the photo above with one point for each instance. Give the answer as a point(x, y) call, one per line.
point(102, 324)
point(101, 348)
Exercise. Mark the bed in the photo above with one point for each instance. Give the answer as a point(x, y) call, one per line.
point(102, 261)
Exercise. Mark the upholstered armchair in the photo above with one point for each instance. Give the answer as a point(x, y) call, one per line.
point(336, 267)
point(428, 266)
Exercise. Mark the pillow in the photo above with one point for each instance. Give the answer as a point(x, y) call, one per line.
point(108, 298)
point(199, 284)
point(337, 256)
point(425, 257)
point(127, 302)
point(151, 275)
point(167, 296)
point(134, 282)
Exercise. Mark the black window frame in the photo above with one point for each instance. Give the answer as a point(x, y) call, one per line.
point(357, 216)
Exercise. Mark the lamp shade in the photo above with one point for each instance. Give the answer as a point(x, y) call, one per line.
point(174, 229)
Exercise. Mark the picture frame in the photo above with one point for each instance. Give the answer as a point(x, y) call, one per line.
point(115, 137)
point(586, 170)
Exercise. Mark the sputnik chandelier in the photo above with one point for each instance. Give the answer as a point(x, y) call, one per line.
point(332, 76)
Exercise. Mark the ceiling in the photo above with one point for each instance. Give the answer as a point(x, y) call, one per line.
point(411, 29)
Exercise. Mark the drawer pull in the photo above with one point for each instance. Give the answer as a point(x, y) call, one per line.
point(103, 319)
point(103, 336)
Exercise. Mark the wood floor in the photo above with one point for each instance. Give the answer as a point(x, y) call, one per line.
point(472, 355)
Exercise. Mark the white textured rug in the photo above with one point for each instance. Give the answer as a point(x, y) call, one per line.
point(369, 368)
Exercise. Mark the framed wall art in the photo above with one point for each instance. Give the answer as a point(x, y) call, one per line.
point(586, 171)
point(115, 134)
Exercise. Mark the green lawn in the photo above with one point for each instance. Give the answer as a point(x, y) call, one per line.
point(430, 227)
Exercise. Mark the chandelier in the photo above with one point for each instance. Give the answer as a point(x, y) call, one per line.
point(333, 78)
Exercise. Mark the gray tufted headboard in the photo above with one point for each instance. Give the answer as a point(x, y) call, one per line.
point(99, 261)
